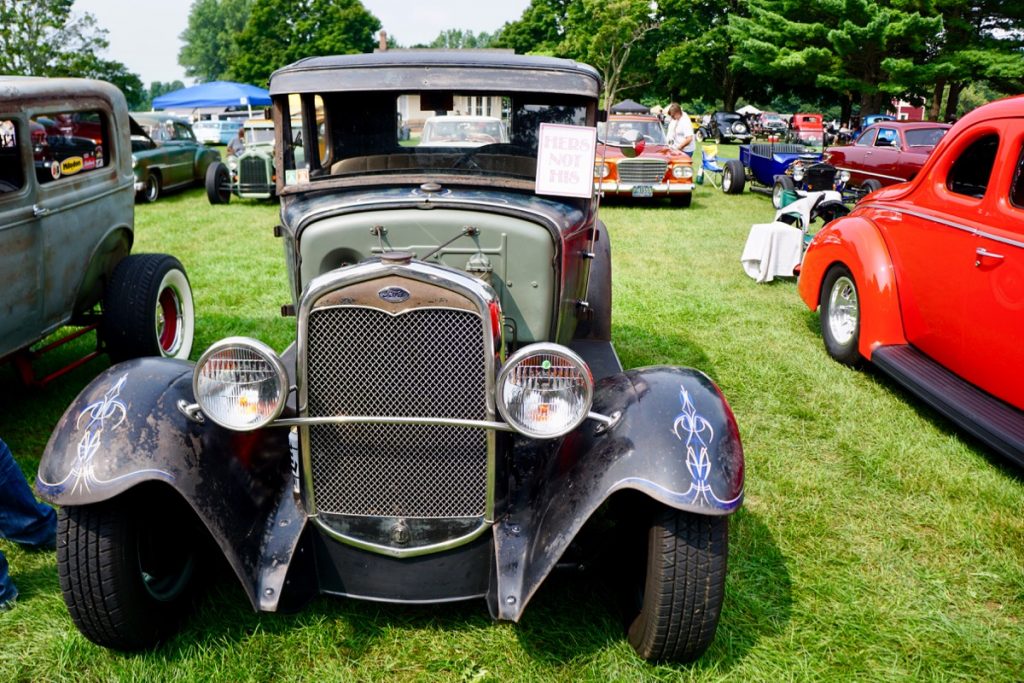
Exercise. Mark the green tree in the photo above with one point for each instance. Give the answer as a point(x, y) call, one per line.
point(45, 38)
point(539, 30)
point(457, 39)
point(209, 40)
point(610, 35)
point(848, 47)
point(279, 32)
point(981, 41)
point(696, 58)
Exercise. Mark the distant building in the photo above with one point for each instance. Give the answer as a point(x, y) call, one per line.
point(904, 111)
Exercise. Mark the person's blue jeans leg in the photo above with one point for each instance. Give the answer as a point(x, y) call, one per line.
point(23, 519)
point(7, 590)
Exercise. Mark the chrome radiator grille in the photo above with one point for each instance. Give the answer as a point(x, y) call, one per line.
point(427, 362)
point(252, 171)
point(648, 171)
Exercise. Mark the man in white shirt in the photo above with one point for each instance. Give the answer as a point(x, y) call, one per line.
point(680, 130)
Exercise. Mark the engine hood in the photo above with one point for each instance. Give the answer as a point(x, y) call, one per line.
point(563, 217)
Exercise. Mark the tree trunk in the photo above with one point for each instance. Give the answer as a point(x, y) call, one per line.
point(729, 91)
point(954, 100)
point(845, 110)
point(933, 110)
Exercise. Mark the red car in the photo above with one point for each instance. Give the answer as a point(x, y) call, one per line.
point(807, 129)
point(926, 279)
point(654, 170)
point(887, 153)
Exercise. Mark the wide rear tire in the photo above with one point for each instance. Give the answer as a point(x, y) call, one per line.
point(218, 183)
point(683, 586)
point(126, 568)
point(733, 177)
point(148, 309)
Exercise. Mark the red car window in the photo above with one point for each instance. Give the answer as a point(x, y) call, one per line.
point(970, 172)
point(1017, 189)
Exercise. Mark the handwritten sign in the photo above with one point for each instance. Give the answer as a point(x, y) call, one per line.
point(565, 160)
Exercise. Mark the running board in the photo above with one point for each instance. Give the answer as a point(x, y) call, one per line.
point(996, 423)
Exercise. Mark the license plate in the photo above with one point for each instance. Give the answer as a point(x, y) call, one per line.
point(643, 191)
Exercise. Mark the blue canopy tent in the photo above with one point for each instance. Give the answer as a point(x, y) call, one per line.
point(215, 94)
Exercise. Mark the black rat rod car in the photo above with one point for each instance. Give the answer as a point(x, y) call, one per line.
point(451, 414)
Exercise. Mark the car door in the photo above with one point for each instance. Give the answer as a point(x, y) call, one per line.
point(857, 156)
point(79, 203)
point(995, 300)
point(181, 151)
point(932, 240)
point(885, 155)
point(21, 273)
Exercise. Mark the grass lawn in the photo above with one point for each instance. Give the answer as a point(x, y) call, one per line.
point(875, 543)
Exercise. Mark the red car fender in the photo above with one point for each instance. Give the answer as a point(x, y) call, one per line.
point(856, 242)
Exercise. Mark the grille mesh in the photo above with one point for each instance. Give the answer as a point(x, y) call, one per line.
point(423, 363)
point(642, 170)
point(252, 171)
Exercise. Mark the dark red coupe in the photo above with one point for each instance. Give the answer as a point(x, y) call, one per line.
point(926, 279)
point(886, 153)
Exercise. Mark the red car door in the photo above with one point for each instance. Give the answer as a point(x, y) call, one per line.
point(994, 320)
point(932, 236)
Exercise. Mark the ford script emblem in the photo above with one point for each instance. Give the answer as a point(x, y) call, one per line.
point(394, 295)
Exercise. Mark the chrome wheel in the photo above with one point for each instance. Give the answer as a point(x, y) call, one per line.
point(843, 310)
point(726, 181)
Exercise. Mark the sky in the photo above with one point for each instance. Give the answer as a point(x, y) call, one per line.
point(146, 40)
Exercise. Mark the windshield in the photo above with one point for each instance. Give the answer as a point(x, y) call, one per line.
point(256, 135)
point(924, 137)
point(360, 134)
point(626, 132)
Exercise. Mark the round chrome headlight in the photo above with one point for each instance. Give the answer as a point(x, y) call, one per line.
point(240, 383)
point(545, 390)
point(682, 171)
point(844, 176)
point(602, 170)
point(232, 163)
point(798, 173)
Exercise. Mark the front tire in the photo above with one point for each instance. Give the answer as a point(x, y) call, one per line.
point(126, 569)
point(683, 586)
point(840, 315)
point(150, 189)
point(218, 183)
point(733, 177)
point(782, 184)
point(148, 309)
point(869, 186)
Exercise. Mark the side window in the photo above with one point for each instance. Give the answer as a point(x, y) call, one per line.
point(12, 176)
point(970, 173)
point(68, 143)
point(182, 132)
point(1017, 189)
point(886, 138)
point(867, 138)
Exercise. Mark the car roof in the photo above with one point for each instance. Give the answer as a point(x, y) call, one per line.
point(152, 117)
point(633, 117)
point(909, 125)
point(426, 70)
point(1011, 107)
point(465, 118)
point(36, 87)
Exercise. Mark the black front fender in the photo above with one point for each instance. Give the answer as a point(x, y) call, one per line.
point(127, 427)
point(675, 440)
